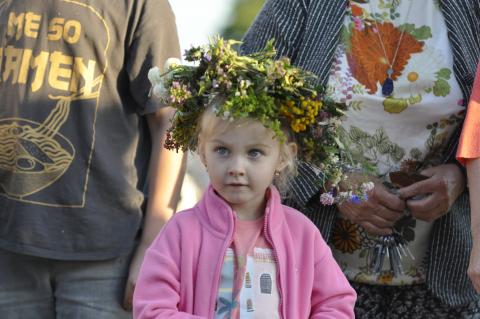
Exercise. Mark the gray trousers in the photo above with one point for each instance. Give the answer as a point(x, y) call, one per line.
point(39, 288)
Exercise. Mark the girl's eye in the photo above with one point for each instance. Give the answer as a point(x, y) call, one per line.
point(222, 151)
point(255, 153)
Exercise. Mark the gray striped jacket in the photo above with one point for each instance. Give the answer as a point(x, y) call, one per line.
point(307, 31)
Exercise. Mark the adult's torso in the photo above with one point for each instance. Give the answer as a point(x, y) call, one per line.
point(407, 130)
point(72, 155)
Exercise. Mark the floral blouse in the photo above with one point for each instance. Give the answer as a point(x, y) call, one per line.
point(407, 129)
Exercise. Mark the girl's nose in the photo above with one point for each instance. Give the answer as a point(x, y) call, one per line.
point(236, 168)
point(236, 172)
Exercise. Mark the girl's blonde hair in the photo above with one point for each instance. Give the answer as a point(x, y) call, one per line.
point(210, 123)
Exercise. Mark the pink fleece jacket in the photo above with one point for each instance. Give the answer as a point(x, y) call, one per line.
point(180, 274)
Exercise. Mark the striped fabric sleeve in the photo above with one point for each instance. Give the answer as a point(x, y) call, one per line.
point(280, 20)
point(462, 19)
point(469, 145)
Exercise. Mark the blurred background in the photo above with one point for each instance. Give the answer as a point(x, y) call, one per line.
point(196, 22)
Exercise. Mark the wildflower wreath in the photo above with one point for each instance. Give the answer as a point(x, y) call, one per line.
point(258, 86)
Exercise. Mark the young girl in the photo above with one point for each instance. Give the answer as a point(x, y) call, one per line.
point(240, 253)
point(469, 154)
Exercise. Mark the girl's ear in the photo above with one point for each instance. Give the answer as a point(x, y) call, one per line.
point(287, 154)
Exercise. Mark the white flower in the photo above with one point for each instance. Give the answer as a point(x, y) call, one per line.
point(366, 187)
point(171, 63)
point(334, 159)
point(420, 73)
point(159, 90)
point(343, 196)
point(155, 75)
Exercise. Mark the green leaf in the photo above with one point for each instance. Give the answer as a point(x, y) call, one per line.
point(407, 27)
point(422, 33)
point(384, 148)
point(415, 153)
point(356, 134)
point(444, 74)
point(346, 37)
point(380, 137)
point(398, 153)
point(441, 88)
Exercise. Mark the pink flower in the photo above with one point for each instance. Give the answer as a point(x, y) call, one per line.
point(358, 23)
point(327, 199)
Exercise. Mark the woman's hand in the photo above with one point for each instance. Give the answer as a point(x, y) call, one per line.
point(378, 214)
point(133, 272)
point(437, 193)
point(474, 266)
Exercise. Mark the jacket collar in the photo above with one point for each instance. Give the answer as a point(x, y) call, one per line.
point(216, 215)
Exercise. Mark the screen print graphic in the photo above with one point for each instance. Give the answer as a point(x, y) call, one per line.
point(45, 155)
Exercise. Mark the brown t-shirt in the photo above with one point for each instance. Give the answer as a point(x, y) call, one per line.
point(74, 145)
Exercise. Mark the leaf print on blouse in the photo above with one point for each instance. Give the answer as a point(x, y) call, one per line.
point(367, 60)
point(375, 148)
point(346, 236)
point(394, 105)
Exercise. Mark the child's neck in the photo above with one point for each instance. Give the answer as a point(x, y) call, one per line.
point(249, 212)
point(249, 215)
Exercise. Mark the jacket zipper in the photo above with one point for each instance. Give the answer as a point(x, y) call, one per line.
point(219, 270)
point(275, 257)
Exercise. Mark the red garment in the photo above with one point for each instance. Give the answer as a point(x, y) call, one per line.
point(469, 146)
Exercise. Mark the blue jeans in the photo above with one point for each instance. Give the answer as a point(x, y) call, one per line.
point(39, 288)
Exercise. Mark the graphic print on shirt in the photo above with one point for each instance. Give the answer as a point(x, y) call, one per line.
point(40, 143)
point(258, 295)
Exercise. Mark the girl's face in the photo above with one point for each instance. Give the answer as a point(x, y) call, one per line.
point(241, 163)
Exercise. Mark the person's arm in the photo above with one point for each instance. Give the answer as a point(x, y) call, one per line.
point(165, 173)
point(468, 153)
point(473, 172)
point(151, 40)
point(158, 290)
point(332, 295)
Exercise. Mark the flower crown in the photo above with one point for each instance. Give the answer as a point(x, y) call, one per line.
point(257, 86)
